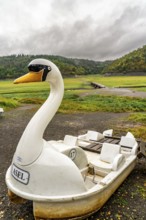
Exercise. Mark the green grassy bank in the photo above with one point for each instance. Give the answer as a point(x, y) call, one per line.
point(12, 96)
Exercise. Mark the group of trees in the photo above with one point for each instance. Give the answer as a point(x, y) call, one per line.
point(134, 62)
point(13, 66)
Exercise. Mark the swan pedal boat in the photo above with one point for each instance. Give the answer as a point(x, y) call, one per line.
point(70, 178)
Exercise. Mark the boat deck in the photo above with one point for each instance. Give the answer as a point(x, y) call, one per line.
point(95, 146)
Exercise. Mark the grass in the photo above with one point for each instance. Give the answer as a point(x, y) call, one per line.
point(142, 191)
point(136, 123)
point(119, 81)
point(138, 131)
point(8, 103)
point(93, 103)
point(138, 117)
point(12, 95)
point(75, 83)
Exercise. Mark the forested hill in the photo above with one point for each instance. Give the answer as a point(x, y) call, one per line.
point(14, 66)
point(133, 63)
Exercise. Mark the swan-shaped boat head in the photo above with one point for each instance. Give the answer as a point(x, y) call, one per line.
point(38, 168)
point(39, 70)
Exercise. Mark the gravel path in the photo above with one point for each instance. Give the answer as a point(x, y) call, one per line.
point(117, 92)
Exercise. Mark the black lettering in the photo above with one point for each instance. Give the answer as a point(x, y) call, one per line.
point(18, 174)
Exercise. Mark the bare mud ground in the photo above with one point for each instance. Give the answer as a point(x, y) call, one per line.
point(127, 203)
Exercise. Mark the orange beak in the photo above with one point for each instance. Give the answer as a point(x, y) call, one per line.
point(30, 77)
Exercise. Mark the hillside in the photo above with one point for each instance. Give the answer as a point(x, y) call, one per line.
point(14, 66)
point(133, 63)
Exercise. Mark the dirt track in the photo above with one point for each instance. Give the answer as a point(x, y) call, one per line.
point(128, 203)
point(118, 92)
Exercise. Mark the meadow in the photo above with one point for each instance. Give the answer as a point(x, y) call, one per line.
point(12, 95)
point(74, 101)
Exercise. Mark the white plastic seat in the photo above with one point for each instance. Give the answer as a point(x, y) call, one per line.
point(110, 158)
point(94, 135)
point(108, 133)
point(83, 140)
point(70, 140)
point(129, 145)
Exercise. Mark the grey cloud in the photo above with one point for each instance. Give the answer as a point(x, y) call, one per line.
point(83, 38)
point(63, 5)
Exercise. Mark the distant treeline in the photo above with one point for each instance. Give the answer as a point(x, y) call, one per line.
point(133, 63)
point(14, 66)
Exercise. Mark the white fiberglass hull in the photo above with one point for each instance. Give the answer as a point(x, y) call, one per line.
point(77, 206)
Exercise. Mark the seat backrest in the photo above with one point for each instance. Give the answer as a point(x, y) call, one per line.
point(109, 152)
point(94, 135)
point(70, 140)
point(108, 133)
point(127, 141)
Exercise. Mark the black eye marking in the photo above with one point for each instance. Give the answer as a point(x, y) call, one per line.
point(47, 69)
point(38, 67)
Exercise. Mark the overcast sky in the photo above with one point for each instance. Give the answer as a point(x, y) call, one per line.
point(92, 29)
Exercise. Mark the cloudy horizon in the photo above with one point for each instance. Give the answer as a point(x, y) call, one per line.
point(97, 30)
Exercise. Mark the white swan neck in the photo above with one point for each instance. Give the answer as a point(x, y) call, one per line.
point(31, 143)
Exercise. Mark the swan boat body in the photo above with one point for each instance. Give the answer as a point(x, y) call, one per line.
point(70, 178)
